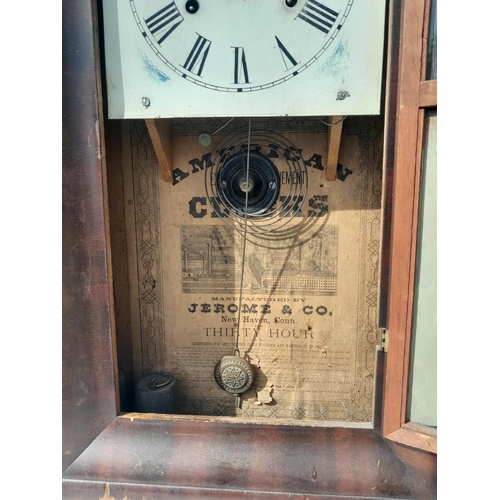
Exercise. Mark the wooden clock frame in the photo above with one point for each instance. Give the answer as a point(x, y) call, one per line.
point(109, 455)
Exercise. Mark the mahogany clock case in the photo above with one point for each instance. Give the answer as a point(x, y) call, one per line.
point(96, 443)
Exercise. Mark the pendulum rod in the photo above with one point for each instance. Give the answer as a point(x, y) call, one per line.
point(236, 349)
point(233, 373)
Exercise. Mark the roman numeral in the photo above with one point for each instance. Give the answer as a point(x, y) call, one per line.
point(240, 66)
point(318, 15)
point(164, 22)
point(198, 55)
point(285, 54)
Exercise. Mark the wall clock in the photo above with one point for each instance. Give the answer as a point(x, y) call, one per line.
point(177, 58)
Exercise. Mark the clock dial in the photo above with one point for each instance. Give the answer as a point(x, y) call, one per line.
point(239, 46)
point(208, 58)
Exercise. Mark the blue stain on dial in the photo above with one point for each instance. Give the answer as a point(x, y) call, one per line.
point(153, 71)
point(337, 61)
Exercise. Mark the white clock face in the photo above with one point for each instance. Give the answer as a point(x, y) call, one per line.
point(178, 58)
point(237, 45)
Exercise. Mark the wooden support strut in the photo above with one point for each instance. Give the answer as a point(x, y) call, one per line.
point(333, 147)
point(161, 137)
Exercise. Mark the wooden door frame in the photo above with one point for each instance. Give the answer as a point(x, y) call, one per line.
point(409, 95)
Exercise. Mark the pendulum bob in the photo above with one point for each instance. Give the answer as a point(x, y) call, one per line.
point(234, 374)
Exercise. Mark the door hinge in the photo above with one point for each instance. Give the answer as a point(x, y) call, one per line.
point(385, 340)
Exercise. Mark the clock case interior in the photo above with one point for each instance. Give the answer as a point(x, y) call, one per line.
point(308, 310)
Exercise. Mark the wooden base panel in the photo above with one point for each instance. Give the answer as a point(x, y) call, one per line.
point(158, 458)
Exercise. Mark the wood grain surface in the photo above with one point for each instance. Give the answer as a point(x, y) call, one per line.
point(404, 223)
point(198, 458)
point(89, 402)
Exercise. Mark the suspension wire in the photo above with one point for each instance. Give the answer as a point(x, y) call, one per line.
point(236, 349)
point(332, 124)
point(227, 123)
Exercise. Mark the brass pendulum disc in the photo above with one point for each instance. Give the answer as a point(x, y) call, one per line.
point(233, 374)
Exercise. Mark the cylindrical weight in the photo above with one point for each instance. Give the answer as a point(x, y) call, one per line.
point(156, 393)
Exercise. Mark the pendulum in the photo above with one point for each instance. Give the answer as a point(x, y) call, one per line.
point(233, 373)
